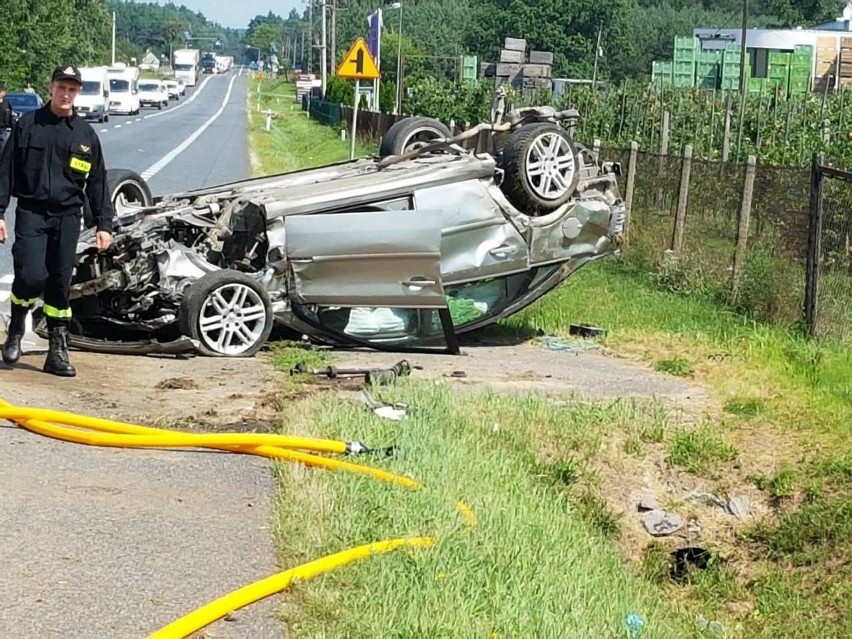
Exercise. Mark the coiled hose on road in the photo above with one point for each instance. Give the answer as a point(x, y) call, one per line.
point(93, 431)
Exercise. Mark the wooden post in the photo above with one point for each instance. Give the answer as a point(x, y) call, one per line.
point(682, 198)
point(596, 148)
point(664, 151)
point(631, 184)
point(726, 141)
point(814, 244)
point(742, 230)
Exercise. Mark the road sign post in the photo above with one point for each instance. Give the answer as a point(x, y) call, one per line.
point(354, 119)
point(358, 64)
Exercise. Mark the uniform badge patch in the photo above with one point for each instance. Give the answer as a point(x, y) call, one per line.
point(84, 148)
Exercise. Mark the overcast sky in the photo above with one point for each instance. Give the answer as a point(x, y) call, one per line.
point(238, 13)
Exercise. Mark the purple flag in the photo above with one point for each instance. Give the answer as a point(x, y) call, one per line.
point(374, 33)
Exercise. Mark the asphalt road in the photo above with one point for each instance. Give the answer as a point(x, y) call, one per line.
point(197, 141)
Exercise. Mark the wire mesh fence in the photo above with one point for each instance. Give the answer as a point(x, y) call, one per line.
point(831, 222)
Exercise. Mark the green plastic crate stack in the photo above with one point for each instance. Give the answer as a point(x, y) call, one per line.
point(708, 69)
point(801, 65)
point(730, 80)
point(661, 73)
point(778, 73)
point(683, 62)
point(756, 86)
point(470, 67)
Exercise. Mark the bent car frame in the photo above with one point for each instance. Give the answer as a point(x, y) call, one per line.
point(401, 251)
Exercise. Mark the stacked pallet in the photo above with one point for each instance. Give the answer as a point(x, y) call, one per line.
point(845, 74)
point(826, 63)
point(528, 73)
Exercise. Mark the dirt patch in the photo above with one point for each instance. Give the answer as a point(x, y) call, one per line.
point(177, 383)
point(192, 393)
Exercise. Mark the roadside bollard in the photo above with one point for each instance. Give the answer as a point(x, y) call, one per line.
point(268, 120)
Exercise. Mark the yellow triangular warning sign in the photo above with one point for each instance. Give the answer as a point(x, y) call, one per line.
point(358, 63)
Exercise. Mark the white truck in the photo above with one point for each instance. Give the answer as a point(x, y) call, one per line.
point(93, 100)
point(123, 89)
point(187, 65)
point(224, 63)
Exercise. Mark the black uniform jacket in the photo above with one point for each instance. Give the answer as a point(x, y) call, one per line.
point(7, 117)
point(52, 165)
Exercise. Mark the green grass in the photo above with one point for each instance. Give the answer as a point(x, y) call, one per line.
point(700, 450)
point(534, 565)
point(540, 561)
point(294, 141)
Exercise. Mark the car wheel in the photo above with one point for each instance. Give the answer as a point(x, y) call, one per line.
point(128, 191)
point(412, 133)
point(228, 313)
point(541, 168)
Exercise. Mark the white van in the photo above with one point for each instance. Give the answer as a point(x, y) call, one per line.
point(93, 100)
point(124, 93)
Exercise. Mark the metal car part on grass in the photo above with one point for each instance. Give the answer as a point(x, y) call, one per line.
point(401, 252)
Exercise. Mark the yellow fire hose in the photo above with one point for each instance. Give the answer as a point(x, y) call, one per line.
point(103, 432)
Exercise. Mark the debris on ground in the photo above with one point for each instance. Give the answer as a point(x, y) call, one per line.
point(634, 624)
point(396, 412)
point(738, 506)
point(661, 523)
point(567, 345)
point(372, 376)
point(587, 331)
point(177, 383)
point(648, 502)
point(714, 627)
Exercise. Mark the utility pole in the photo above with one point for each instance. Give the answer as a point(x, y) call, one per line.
point(113, 38)
point(597, 57)
point(310, 35)
point(743, 84)
point(324, 48)
point(334, 34)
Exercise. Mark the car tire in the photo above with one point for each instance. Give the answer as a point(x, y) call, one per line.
point(541, 168)
point(128, 190)
point(200, 309)
point(412, 133)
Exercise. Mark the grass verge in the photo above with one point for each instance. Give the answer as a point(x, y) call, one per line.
point(535, 564)
point(538, 564)
point(295, 141)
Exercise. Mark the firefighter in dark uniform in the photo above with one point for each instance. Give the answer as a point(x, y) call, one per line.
point(7, 118)
point(52, 164)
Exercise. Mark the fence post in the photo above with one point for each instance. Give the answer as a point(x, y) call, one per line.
point(682, 198)
point(631, 184)
point(726, 140)
point(664, 151)
point(742, 230)
point(596, 148)
point(814, 244)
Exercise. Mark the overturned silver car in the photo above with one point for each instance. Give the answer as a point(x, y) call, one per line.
point(400, 251)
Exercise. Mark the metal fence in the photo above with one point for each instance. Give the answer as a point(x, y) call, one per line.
point(828, 301)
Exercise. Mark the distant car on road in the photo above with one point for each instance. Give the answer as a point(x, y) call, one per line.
point(24, 103)
point(153, 93)
point(173, 87)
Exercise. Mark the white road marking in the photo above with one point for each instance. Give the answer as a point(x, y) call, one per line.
point(116, 126)
point(7, 279)
point(104, 130)
point(158, 166)
point(129, 122)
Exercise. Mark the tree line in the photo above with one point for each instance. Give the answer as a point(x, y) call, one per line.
point(633, 33)
point(38, 35)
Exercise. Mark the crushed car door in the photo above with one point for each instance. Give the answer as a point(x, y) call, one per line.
point(374, 277)
point(381, 258)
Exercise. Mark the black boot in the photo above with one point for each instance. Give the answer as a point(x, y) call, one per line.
point(17, 326)
point(57, 362)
